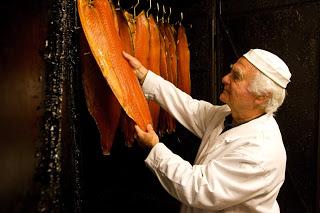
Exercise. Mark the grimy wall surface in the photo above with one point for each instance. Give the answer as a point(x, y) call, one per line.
point(22, 38)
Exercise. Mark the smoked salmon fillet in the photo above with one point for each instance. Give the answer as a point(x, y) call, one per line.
point(183, 53)
point(169, 31)
point(141, 38)
point(101, 102)
point(126, 32)
point(97, 21)
point(154, 65)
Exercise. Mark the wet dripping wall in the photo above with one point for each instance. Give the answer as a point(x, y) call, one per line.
point(23, 31)
point(39, 156)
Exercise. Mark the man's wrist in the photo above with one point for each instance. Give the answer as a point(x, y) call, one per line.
point(144, 75)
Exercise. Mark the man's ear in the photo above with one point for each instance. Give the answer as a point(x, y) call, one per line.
point(262, 99)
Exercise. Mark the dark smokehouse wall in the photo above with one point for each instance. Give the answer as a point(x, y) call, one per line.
point(23, 27)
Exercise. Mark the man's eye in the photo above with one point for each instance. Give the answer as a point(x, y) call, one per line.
point(235, 76)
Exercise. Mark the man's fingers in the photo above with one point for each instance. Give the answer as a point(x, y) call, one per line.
point(148, 138)
point(126, 55)
point(140, 132)
point(132, 60)
point(129, 57)
point(139, 69)
point(149, 128)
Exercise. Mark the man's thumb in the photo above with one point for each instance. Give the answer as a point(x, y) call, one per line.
point(138, 130)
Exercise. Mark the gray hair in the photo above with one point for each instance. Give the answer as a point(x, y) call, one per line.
point(262, 85)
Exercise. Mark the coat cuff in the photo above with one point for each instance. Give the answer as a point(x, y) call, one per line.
point(156, 155)
point(149, 87)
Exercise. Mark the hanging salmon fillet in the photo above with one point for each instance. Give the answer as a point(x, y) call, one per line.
point(169, 31)
point(98, 24)
point(164, 117)
point(101, 102)
point(163, 58)
point(170, 123)
point(166, 50)
point(154, 65)
point(184, 81)
point(115, 17)
point(131, 24)
point(142, 38)
point(139, 28)
point(127, 32)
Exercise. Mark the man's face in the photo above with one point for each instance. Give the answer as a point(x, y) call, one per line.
point(236, 83)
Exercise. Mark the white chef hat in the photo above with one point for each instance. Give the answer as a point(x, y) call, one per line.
point(270, 65)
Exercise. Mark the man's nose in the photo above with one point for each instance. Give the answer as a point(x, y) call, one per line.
point(225, 79)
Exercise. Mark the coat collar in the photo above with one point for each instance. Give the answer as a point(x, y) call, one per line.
point(246, 129)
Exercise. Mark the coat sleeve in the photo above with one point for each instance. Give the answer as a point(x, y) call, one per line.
point(191, 113)
point(214, 186)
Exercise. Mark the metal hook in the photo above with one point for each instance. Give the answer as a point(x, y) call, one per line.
point(150, 5)
point(163, 13)
point(134, 9)
point(118, 7)
point(158, 9)
point(181, 16)
point(169, 15)
point(90, 2)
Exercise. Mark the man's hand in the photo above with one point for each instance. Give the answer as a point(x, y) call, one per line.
point(147, 139)
point(139, 69)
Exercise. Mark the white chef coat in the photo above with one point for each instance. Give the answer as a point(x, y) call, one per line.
point(239, 170)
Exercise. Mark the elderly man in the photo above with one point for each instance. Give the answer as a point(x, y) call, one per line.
point(241, 161)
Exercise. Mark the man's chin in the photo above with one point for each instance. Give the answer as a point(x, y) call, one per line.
point(222, 98)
